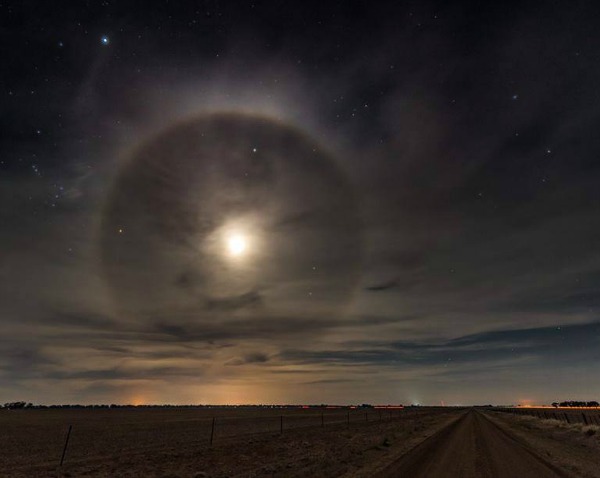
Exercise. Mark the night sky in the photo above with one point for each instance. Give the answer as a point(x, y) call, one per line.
point(298, 202)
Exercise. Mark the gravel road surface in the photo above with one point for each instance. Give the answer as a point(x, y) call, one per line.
point(472, 447)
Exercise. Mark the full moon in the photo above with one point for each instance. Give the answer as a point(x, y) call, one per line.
point(236, 245)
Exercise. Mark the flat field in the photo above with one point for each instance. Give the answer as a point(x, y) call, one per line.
point(175, 442)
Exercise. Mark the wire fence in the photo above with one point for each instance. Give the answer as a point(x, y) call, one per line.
point(585, 417)
point(55, 436)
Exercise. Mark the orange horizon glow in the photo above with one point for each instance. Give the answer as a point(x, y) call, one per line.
point(138, 400)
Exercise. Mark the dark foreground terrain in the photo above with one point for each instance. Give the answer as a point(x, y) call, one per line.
point(473, 446)
point(426, 442)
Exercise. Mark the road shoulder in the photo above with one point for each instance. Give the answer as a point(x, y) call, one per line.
point(405, 441)
point(566, 447)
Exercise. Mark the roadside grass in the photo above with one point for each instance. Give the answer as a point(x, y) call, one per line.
point(552, 423)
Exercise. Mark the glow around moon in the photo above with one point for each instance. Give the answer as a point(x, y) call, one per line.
point(227, 206)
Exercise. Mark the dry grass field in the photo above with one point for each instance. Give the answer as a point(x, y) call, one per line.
point(175, 442)
point(584, 416)
point(574, 447)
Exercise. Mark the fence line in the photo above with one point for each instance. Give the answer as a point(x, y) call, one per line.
point(568, 416)
point(62, 458)
point(219, 428)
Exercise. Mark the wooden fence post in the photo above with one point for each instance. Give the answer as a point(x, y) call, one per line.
point(584, 418)
point(212, 431)
point(322, 420)
point(62, 458)
point(281, 424)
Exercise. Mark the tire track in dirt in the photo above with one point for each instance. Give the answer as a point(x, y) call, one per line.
point(472, 447)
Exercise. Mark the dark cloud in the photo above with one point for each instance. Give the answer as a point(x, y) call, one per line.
point(154, 373)
point(547, 345)
point(249, 299)
point(21, 360)
point(83, 320)
point(252, 358)
point(331, 381)
point(383, 286)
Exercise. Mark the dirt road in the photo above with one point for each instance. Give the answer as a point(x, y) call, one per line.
point(472, 447)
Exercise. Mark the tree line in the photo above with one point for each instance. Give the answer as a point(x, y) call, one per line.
point(573, 403)
point(23, 405)
point(28, 405)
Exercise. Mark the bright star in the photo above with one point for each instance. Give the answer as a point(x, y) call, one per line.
point(105, 40)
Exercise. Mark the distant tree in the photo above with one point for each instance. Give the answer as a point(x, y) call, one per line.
point(555, 404)
point(578, 403)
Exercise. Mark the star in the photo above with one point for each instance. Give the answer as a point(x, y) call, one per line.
point(105, 40)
